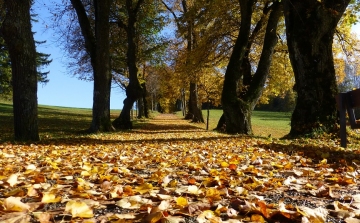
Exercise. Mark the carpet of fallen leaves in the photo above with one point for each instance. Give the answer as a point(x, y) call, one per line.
point(171, 171)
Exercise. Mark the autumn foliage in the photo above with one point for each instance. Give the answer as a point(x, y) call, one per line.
point(171, 171)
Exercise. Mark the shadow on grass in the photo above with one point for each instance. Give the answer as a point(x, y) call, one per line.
point(165, 126)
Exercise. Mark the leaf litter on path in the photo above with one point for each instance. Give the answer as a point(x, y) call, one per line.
point(172, 171)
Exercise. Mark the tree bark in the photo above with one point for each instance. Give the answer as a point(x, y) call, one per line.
point(194, 113)
point(232, 105)
point(238, 118)
point(134, 89)
point(16, 30)
point(310, 27)
point(97, 45)
point(102, 76)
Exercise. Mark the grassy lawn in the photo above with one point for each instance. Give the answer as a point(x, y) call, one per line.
point(263, 122)
point(54, 122)
point(60, 122)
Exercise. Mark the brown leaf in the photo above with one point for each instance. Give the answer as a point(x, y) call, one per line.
point(152, 218)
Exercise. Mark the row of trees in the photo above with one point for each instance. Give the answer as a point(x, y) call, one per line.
point(215, 49)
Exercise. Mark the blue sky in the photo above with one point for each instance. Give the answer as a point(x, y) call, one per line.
point(63, 89)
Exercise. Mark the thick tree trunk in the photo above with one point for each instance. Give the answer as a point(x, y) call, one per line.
point(310, 27)
point(133, 90)
point(145, 102)
point(97, 45)
point(16, 30)
point(232, 105)
point(238, 119)
point(102, 75)
point(194, 113)
point(124, 120)
point(140, 103)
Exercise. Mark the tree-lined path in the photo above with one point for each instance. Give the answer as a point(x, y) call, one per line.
point(169, 170)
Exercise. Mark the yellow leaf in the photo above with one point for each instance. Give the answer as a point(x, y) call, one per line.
point(79, 209)
point(172, 183)
point(85, 173)
point(48, 197)
point(324, 161)
point(257, 218)
point(213, 193)
point(310, 186)
point(182, 202)
point(224, 164)
point(144, 188)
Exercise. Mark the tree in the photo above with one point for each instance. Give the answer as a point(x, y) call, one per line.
point(186, 27)
point(97, 46)
point(16, 31)
point(134, 89)
point(239, 103)
point(42, 60)
point(142, 22)
point(310, 28)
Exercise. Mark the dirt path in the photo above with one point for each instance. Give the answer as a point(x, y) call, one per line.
point(170, 126)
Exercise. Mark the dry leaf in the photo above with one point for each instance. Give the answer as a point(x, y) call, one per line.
point(13, 180)
point(173, 219)
point(79, 209)
point(49, 197)
point(14, 204)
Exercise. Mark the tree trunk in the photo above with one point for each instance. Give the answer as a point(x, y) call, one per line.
point(238, 119)
point(232, 105)
point(102, 76)
point(194, 113)
point(98, 48)
point(140, 102)
point(310, 27)
point(145, 102)
point(16, 30)
point(133, 90)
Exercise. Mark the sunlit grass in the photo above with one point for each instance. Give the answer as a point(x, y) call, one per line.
point(54, 122)
point(264, 123)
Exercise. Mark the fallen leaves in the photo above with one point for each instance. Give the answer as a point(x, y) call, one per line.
point(174, 176)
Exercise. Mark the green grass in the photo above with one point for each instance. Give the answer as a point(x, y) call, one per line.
point(62, 122)
point(263, 122)
point(54, 122)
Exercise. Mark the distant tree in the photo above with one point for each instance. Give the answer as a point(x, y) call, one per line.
point(16, 31)
point(142, 22)
point(185, 13)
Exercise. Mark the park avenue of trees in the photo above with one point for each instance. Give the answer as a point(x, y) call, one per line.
point(236, 56)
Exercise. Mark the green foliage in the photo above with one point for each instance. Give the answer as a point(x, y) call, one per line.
point(42, 60)
point(5, 71)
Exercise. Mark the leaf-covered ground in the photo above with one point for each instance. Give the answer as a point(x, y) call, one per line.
point(171, 171)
